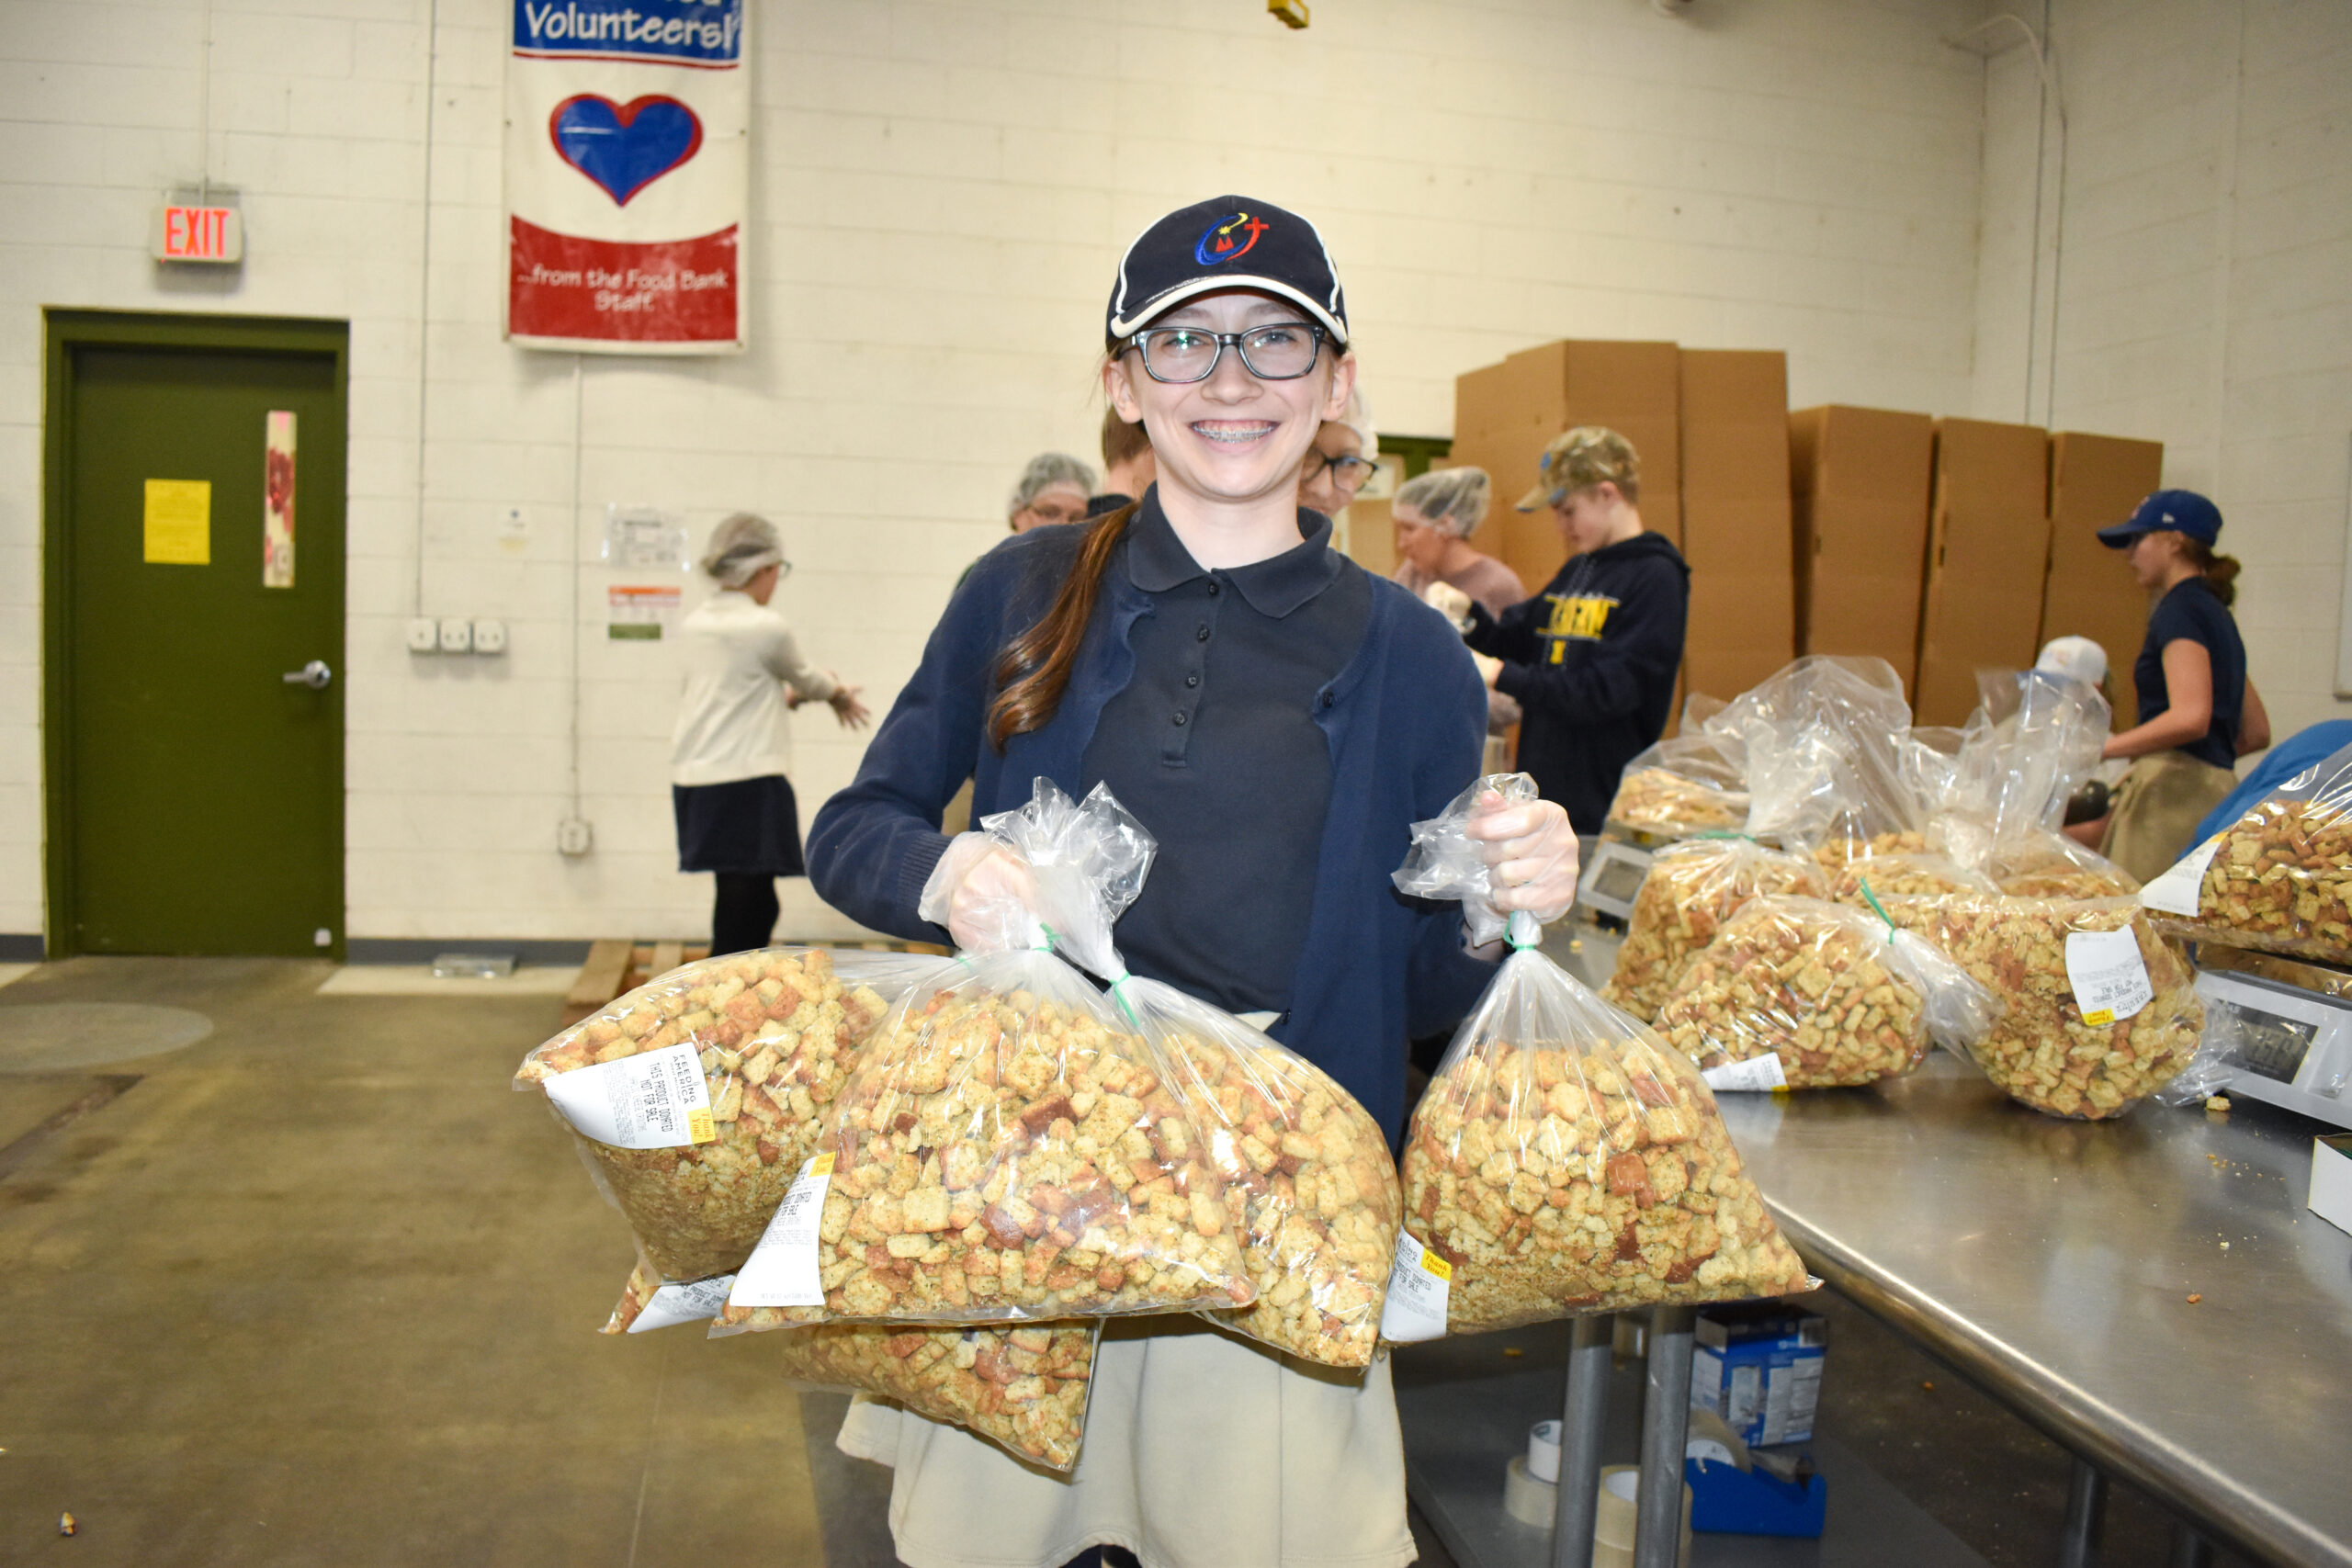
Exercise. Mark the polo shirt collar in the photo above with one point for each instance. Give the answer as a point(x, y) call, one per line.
point(1158, 561)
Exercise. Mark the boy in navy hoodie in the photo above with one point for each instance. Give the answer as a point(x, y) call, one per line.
point(1593, 658)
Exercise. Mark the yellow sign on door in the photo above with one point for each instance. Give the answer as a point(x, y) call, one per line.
point(179, 522)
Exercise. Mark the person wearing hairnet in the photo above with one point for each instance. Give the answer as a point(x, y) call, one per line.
point(1435, 514)
point(1053, 489)
point(1340, 459)
point(736, 815)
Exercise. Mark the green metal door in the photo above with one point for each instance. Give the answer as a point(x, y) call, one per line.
point(201, 806)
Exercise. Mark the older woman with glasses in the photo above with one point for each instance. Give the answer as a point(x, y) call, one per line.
point(1053, 489)
point(736, 814)
point(1340, 461)
point(1435, 514)
point(1277, 718)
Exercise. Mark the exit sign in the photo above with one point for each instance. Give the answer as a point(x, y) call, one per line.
point(198, 235)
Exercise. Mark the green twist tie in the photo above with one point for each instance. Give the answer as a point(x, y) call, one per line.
point(1871, 899)
point(1521, 931)
point(1727, 833)
point(1119, 995)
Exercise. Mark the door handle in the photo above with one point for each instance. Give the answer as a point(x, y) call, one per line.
point(315, 675)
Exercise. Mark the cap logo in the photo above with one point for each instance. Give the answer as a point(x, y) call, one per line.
point(1228, 239)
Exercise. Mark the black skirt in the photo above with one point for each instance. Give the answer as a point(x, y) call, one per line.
point(746, 826)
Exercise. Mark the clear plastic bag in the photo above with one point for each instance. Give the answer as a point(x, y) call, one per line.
point(1904, 872)
point(1821, 739)
point(694, 1097)
point(2102, 1010)
point(1565, 1160)
point(1841, 850)
point(1831, 994)
point(1691, 888)
point(2044, 864)
point(2279, 878)
point(1007, 1149)
point(1689, 784)
point(1308, 1181)
point(649, 1302)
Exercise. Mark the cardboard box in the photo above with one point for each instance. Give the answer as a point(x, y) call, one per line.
point(1742, 629)
point(1988, 550)
point(1372, 537)
point(1735, 460)
point(1504, 415)
point(1860, 481)
point(2095, 481)
point(1759, 1366)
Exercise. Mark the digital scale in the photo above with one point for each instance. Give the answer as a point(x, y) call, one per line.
point(2288, 1023)
point(1612, 874)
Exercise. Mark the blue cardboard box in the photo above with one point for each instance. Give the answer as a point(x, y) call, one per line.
point(1731, 1501)
point(1758, 1365)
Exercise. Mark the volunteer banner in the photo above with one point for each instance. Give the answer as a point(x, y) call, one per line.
point(627, 176)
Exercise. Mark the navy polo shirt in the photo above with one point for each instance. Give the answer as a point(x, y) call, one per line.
point(1213, 745)
point(2190, 611)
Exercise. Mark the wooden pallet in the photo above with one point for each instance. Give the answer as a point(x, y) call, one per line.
point(617, 965)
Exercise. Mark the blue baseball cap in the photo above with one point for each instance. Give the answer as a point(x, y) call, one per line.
point(2181, 511)
point(1227, 242)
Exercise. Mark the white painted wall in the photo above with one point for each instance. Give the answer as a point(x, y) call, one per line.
point(2205, 284)
point(940, 194)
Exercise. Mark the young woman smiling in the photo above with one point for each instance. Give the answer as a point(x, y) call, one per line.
point(1277, 718)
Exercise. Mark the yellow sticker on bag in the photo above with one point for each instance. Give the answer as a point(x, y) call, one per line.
point(700, 1128)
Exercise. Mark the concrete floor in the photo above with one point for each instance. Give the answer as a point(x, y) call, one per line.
point(319, 1290)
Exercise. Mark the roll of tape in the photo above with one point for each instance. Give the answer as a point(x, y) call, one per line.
point(1536, 1503)
point(1526, 1499)
point(1543, 1451)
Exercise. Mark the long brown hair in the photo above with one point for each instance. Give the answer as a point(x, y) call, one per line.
point(2220, 571)
point(1034, 670)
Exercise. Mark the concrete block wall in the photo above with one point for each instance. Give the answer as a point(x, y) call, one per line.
point(940, 193)
point(2204, 285)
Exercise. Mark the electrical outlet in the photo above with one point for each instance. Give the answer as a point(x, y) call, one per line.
point(424, 635)
point(574, 836)
point(490, 636)
point(456, 634)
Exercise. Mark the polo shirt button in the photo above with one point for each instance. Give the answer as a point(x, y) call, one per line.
point(1202, 635)
point(1191, 679)
point(1212, 588)
point(1179, 720)
point(1328, 699)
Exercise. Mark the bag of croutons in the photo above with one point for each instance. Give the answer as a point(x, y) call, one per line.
point(2279, 878)
point(2101, 1010)
point(1563, 1159)
point(1689, 784)
point(2044, 864)
point(1007, 1147)
point(1308, 1182)
point(694, 1097)
point(1794, 993)
point(1898, 873)
point(1691, 889)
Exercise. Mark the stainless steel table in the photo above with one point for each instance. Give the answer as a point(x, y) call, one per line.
point(2053, 1262)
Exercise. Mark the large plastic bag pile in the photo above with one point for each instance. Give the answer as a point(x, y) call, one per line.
point(2279, 878)
point(1691, 888)
point(694, 1097)
point(1691, 784)
point(1008, 1147)
point(1563, 1159)
point(1800, 994)
point(2101, 1010)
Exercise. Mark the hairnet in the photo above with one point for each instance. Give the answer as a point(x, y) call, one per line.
point(1357, 416)
point(1451, 501)
point(742, 548)
point(1045, 470)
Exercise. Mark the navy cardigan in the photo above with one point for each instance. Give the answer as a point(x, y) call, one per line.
point(1406, 720)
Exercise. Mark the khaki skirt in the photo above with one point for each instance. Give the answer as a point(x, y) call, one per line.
point(2157, 807)
point(1202, 1450)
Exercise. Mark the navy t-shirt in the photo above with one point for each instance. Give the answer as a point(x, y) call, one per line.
point(2193, 611)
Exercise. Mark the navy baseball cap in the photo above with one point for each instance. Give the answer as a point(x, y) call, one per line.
point(2182, 510)
point(1227, 242)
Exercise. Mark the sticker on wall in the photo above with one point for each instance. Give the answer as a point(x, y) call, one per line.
point(277, 501)
point(642, 536)
point(637, 613)
point(179, 522)
point(627, 176)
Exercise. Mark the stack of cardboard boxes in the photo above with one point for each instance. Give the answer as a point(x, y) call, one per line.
point(2095, 481)
point(1861, 479)
point(1988, 550)
point(1736, 519)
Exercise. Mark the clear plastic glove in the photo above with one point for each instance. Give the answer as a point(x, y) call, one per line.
point(1490, 669)
point(1529, 850)
point(1449, 602)
point(986, 895)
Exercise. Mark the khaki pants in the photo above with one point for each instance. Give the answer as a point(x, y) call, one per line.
point(2157, 808)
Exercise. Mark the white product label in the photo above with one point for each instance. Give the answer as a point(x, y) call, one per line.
point(782, 1270)
point(696, 1300)
point(1419, 1283)
point(2177, 891)
point(2109, 979)
point(1756, 1073)
point(657, 1101)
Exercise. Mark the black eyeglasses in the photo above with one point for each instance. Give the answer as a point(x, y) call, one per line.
point(1281, 351)
point(1348, 471)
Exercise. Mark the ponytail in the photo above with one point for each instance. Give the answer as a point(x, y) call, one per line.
point(2220, 571)
point(1033, 671)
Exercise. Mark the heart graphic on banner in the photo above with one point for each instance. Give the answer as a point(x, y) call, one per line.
point(624, 147)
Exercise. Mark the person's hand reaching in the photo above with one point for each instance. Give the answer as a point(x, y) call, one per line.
point(1449, 602)
point(1531, 851)
point(984, 894)
point(847, 708)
